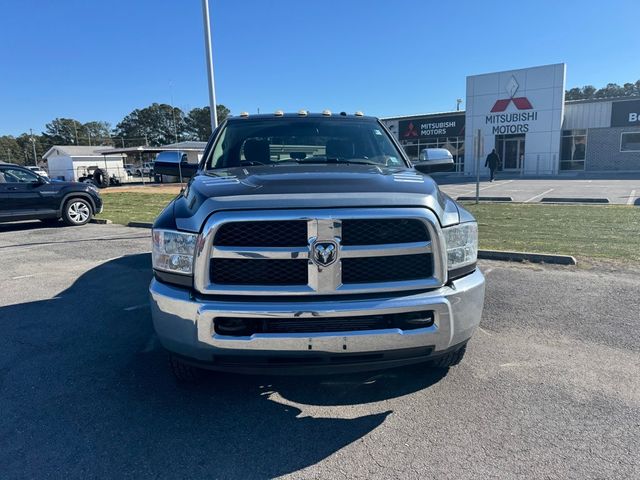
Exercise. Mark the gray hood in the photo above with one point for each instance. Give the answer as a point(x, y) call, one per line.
point(309, 186)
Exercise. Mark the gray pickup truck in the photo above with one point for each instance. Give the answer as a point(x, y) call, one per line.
point(310, 243)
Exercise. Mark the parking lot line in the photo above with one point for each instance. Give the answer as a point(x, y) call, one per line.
point(484, 188)
point(632, 197)
point(539, 195)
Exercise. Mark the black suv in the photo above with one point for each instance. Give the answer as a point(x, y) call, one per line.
point(26, 196)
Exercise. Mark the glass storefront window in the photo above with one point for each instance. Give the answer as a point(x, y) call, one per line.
point(454, 144)
point(630, 142)
point(573, 149)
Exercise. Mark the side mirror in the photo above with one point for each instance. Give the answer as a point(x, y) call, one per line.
point(434, 160)
point(41, 181)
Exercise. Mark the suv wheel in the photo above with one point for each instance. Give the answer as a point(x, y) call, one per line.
point(184, 372)
point(77, 211)
point(450, 359)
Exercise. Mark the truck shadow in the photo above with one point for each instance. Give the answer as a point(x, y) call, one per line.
point(85, 391)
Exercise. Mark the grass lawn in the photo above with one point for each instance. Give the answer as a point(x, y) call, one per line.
point(607, 232)
point(125, 207)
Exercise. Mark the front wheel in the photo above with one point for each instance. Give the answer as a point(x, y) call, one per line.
point(183, 372)
point(450, 359)
point(77, 211)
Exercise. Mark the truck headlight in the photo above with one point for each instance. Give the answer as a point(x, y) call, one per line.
point(462, 248)
point(173, 251)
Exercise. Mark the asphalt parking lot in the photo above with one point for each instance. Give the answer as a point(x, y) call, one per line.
point(531, 190)
point(550, 386)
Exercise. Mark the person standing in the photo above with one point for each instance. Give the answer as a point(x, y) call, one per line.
point(493, 160)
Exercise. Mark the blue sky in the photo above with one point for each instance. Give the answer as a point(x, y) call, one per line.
point(98, 60)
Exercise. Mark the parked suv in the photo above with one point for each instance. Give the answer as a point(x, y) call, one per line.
point(25, 196)
point(310, 243)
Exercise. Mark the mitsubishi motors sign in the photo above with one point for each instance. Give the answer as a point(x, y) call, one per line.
point(431, 127)
point(524, 105)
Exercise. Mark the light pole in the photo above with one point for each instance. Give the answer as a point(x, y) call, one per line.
point(207, 48)
point(33, 144)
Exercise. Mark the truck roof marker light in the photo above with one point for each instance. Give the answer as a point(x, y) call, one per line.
point(326, 113)
point(279, 113)
point(303, 113)
point(244, 114)
point(359, 114)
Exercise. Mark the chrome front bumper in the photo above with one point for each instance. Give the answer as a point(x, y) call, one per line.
point(184, 322)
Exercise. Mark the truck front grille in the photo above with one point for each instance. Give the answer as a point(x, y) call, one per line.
point(263, 234)
point(396, 268)
point(227, 271)
point(281, 252)
point(373, 231)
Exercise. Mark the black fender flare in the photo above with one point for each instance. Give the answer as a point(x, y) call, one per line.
point(83, 195)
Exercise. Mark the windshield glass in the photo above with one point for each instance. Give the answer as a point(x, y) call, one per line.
point(303, 141)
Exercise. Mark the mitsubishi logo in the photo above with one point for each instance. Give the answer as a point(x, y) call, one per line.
point(411, 131)
point(324, 253)
point(521, 103)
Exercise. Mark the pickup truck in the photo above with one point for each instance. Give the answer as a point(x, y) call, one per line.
point(310, 243)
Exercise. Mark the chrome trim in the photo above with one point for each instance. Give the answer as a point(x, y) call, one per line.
point(322, 225)
point(263, 253)
point(385, 250)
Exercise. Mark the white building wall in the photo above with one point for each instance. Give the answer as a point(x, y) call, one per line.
point(544, 88)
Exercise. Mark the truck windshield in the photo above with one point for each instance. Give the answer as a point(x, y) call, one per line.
point(303, 141)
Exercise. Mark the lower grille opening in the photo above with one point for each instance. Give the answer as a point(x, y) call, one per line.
point(243, 327)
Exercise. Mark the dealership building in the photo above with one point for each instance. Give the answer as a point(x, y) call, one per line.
point(524, 116)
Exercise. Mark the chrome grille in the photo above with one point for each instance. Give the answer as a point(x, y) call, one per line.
point(264, 253)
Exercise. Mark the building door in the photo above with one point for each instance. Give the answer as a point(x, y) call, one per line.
point(511, 151)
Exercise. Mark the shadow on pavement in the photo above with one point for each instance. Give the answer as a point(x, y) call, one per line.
point(86, 392)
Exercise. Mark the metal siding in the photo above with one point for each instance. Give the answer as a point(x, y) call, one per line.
point(587, 115)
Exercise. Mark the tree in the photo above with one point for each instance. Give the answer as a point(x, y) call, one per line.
point(97, 133)
point(157, 124)
point(63, 131)
point(25, 142)
point(10, 150)
point(611, 90)
point(199, 121)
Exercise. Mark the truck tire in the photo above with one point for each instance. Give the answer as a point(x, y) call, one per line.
point(450, 359)
point(101, 178)
point(183, 372)
point(76, 211)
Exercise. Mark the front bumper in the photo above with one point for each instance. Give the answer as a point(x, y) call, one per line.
point(184, 325)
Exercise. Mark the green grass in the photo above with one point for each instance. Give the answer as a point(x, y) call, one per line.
point(605, 232)
point(128, 207)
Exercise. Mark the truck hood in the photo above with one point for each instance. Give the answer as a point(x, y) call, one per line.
point(308, 186)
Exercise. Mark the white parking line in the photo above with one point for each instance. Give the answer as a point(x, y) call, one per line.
point(632, 197)
point(23, 276)
point(488, 186)
point(539, 195)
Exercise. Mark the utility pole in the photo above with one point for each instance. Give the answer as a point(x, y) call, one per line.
point(75, 129)
point(33, 144)
point(207, 48)
point(458, 102)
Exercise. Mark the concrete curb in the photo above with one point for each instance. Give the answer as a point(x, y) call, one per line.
point(526, 257)
point(485, 199)
point(573, 200)
point(101, 221)
point(140, 224)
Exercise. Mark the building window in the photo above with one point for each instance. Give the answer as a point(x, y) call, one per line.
point(573, 149)
point(630, 142)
